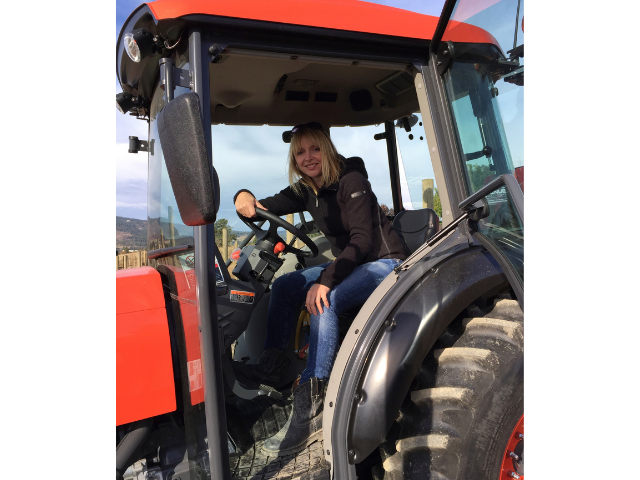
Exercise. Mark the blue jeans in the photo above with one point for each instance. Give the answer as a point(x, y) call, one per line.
point(288, 294)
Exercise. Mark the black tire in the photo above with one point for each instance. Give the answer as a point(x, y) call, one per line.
point(465, 401)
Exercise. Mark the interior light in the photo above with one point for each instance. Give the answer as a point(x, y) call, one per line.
point(139, 44)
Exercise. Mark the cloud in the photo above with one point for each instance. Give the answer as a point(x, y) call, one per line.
point(131, 169)
point(131, 183)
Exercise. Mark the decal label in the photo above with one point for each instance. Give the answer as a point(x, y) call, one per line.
point(242, 297)
point(195, 375)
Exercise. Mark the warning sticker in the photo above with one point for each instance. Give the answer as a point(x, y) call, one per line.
point(242, 297)
point(195, 375)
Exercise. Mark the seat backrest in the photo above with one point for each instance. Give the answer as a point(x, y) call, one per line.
point(415, 227)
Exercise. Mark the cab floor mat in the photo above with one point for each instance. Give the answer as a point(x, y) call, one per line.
point(309, 464)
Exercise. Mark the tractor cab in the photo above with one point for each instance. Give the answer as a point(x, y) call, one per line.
point(433, 105)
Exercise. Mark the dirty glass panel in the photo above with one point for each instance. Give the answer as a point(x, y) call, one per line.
point(505, 229)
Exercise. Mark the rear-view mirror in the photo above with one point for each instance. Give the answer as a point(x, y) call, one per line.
point(185, 153)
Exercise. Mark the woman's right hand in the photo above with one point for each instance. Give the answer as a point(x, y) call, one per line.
point(246, 205)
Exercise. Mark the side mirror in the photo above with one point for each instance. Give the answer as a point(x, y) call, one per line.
point(185, 153)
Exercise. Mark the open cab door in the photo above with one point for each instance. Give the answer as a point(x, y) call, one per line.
point(484, 88)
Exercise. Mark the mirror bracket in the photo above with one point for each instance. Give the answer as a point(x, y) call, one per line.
point(172, 77)
point(136, 145)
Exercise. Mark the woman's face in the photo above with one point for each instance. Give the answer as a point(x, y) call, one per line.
point(309, 159)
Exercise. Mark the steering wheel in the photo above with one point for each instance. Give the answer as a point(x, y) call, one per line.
point(270, 237)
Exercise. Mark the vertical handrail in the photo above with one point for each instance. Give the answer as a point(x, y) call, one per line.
point(210, 345)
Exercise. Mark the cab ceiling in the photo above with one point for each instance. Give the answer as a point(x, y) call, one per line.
point(250, 88)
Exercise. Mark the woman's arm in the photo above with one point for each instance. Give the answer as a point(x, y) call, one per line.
point(279, 204)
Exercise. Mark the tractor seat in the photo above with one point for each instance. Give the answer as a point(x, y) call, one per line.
point(415, 227)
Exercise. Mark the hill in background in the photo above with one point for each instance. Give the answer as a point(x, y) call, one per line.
point(131, 233)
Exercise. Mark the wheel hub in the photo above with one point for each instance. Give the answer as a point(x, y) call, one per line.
point(513, 459)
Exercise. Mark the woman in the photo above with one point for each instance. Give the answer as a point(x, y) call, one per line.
point(337, 194)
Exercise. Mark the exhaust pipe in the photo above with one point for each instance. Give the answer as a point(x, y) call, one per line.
point(126, 449)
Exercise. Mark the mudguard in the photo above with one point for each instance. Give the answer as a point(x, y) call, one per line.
point(407, 335)
point(144, 372)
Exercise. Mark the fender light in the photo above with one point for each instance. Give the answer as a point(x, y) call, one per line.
point(125, 102)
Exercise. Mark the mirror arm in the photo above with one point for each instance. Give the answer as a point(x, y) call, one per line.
point(172, 77)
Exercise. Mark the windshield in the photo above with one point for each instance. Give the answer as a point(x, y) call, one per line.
point(485, 88)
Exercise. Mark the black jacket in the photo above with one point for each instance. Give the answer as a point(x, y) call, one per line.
point(348, 214)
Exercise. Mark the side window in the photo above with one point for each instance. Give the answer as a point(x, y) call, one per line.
point(485, 149)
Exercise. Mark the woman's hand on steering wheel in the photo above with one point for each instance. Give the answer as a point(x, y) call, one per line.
point(246, 205)
point(269, 239)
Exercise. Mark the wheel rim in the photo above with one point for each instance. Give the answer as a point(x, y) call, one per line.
point(513, 458)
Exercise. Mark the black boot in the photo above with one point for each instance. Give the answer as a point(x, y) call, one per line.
point(269, 368)
point(304, 425)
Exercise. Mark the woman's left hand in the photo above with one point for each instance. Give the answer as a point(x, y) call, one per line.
point(314, 296)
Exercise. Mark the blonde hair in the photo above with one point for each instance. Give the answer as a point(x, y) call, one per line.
point(331, 164)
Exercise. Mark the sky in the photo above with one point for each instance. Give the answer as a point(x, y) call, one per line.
point(262, 146)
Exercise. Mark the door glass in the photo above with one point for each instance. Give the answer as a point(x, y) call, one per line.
point(165, 228)
point(505, 229)
point(485, 152)
point(485, 88)
point(485, 92)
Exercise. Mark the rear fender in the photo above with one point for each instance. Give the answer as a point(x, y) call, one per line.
point(376, 363)
point(144, 371)
point(405, 338)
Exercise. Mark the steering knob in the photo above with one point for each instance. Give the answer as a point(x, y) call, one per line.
point(278, 248)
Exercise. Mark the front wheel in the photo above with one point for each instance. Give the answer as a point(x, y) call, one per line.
point(463, 419)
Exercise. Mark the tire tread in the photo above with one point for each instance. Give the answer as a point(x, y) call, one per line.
point(434, 424)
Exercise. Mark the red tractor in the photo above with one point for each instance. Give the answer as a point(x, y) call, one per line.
point(428, 381)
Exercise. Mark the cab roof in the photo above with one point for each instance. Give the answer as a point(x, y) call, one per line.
point(284, 60)
point(348, 15)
